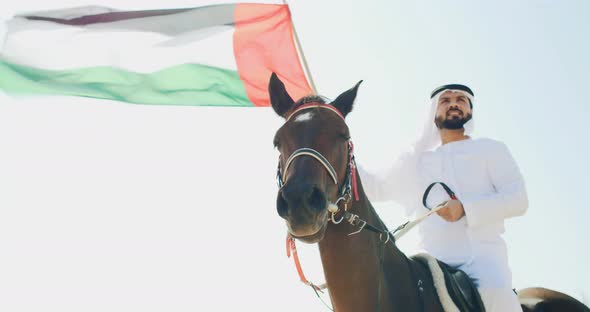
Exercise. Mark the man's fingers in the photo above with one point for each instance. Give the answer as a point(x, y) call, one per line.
point(446, 214)
point(443, 212)
point(443, 204)
point(443, 207)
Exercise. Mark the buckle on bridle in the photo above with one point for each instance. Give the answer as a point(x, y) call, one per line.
point(354, 220)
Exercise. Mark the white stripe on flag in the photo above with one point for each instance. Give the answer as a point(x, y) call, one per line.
point(64, 47)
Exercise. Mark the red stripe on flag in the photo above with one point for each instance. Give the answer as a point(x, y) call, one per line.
point(263, 43)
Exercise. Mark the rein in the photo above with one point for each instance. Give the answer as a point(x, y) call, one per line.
point(406, 227)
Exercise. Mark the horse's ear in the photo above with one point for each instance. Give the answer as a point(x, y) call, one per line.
point(345, 100)
point(280, 100)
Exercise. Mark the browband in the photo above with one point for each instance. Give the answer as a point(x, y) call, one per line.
point(314, 105)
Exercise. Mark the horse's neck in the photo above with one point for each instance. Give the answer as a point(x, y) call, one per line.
point(352, 265)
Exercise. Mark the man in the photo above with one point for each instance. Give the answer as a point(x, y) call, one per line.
point(488, 185)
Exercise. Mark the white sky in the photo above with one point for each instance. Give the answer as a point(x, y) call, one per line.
point(116, 207)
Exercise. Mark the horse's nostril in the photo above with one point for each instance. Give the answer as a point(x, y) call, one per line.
point(316, 199)
point(282, 206)
point(297, 200)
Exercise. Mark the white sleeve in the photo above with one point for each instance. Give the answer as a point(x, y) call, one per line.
point(393, 183)
point(510, 197)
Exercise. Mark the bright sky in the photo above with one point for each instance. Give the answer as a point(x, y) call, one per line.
point(117, 207)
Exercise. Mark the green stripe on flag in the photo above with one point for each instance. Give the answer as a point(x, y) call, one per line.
point(186, 84)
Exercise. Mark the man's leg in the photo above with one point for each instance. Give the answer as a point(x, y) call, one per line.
point(499, 300)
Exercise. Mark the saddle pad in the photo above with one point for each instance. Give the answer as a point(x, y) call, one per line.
point(456, 291)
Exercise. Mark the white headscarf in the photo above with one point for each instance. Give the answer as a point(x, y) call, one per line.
point(429, 139)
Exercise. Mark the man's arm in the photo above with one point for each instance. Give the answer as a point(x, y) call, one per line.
point(510, 198)
point(393, 183)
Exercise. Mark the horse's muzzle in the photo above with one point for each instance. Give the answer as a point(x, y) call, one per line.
point(304, 207)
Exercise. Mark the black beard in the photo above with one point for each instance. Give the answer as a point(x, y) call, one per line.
point(455, 123)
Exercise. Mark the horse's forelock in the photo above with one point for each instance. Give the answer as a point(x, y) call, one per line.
point(312, 98)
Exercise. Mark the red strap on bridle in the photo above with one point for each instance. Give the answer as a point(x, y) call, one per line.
point(292, 248)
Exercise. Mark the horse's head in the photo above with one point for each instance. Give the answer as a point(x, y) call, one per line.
point(315, 162)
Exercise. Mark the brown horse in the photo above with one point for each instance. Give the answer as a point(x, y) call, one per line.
point(316, 174)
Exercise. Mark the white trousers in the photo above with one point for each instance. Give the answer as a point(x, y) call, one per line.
point(499, 300)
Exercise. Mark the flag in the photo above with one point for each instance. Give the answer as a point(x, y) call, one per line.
point(216, 55)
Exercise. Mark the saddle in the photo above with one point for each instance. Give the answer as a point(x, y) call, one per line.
point(457, 285)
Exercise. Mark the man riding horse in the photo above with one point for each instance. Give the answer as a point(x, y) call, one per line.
point(488, 185)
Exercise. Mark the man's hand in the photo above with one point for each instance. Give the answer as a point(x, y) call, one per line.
point(452, 211)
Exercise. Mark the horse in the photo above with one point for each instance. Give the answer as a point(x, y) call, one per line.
point(319, 184)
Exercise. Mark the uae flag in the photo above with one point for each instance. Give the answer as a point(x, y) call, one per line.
point(217, 55)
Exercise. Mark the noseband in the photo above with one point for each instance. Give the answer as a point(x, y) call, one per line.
point(315, 154)
point(350, 180)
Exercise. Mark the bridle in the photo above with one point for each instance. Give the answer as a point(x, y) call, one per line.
point(349, 185)
point(345, 193)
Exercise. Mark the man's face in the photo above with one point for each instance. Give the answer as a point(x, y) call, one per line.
point(452, 111)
